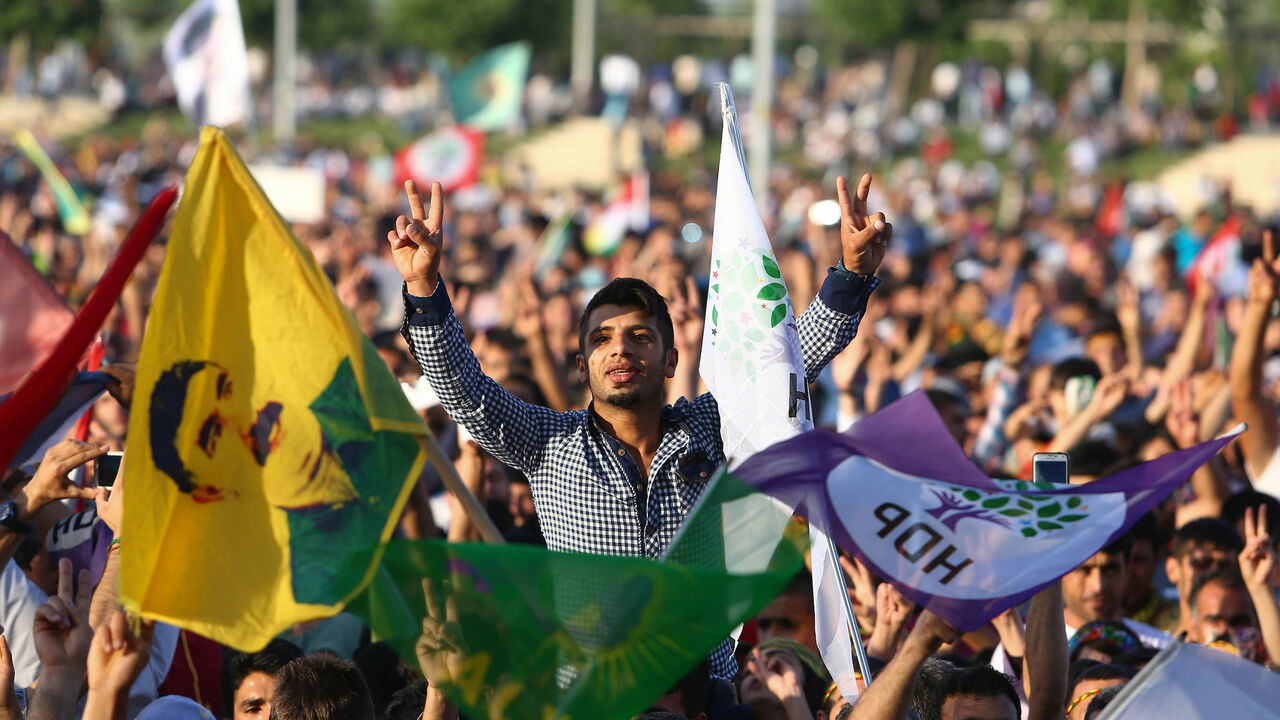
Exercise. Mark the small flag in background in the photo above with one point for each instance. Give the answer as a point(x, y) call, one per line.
point(267, 441)
point(950, 538)
point(205, 54)
point(487, 94)
point(544, 634)
point(628, 209)
point(74, 217)
point(449, 156)
point(551, 246)
point(33, 316)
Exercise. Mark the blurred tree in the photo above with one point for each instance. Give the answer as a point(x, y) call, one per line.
point(462, 30)
point(878, 24)
point(322, 24)
point(48, 22)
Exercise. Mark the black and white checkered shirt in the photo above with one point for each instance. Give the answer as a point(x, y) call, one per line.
point(588, 491)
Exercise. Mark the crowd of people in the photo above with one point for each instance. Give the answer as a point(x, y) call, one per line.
point(1078, 315)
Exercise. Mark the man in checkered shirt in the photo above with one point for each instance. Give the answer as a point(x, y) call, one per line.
point(620, 477)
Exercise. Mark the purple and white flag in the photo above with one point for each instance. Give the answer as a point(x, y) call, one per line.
point(899, 493)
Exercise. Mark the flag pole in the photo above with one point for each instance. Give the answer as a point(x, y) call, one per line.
point(864, 665)
point(470, 503)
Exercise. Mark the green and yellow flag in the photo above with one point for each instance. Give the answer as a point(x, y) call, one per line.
point(74, 217)
point(524, 633)
point(268, 443)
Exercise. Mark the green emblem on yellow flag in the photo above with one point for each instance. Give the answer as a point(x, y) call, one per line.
point(268, 443)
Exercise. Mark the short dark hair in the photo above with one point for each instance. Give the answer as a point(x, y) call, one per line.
point(927, 680)
point(1228, 577)
point(1146, 528)
point(629, 292)
point(407, 702)
point(695, 688)
point(238, 666)
point(321, 687)
point(1100, 671)
point(1233, 509)
point(1100, 701)
point(976, 681)
point(1072, 367)
point(1206, 531)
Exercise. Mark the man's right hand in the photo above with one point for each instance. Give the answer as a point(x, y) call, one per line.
point(417, 242)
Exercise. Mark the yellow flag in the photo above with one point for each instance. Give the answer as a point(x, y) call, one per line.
point(268, 443)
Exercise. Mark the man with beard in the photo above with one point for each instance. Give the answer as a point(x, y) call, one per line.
point(619, 477)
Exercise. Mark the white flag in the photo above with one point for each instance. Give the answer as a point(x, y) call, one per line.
point(753, 365)
point(1187, 681)
point(205, 54)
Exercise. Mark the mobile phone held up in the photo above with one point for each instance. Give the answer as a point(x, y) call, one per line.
point(1050, 467)
point(106, 467)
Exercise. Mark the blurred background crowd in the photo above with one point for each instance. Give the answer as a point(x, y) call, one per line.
point(1079, 197)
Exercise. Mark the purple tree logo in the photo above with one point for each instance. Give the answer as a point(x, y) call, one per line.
point(954, 508)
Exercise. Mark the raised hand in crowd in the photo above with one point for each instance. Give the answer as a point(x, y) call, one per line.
point(528, 326)
point(417, 243)
point(9, 707)
point(683, 302)
point(109, 504)
point(862, 591)
point(782, 675)
point(1257, 563)
point(893, 610)
point(1248, 401)
point(440, 649)
point(62, 636)
point(49, 484)
point(1015, 345)
point(117, 657)
point(1129, 315)
point(123, 375)
point(1108, 395)
point(864, 238)
point(889, 694)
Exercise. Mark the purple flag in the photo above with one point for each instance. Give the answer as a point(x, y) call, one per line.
point(899, 493)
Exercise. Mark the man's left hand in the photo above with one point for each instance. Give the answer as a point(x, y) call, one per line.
point(863, 238)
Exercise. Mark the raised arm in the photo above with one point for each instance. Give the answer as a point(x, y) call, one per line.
point(512, 430)
point(831, 321)
point(1045, 677)
point(1259, 443)
point(1256, 563)
point(888, 696)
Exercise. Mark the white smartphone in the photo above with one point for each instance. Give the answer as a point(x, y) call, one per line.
point(1050, 467)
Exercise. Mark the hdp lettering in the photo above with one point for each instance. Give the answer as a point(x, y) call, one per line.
point(917, 540)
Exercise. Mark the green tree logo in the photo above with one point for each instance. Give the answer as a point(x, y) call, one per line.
point(1028, 512)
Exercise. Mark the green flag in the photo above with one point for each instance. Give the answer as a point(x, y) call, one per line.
point(486, 95)
point(522, 632)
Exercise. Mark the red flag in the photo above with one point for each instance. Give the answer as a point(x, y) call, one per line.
point(39, 392)
point(450, 156)
point(33, 316)
point(1216, 254)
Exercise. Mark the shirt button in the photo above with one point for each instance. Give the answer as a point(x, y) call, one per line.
point(702, 474)
point(621, 453)
point(418, 310)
